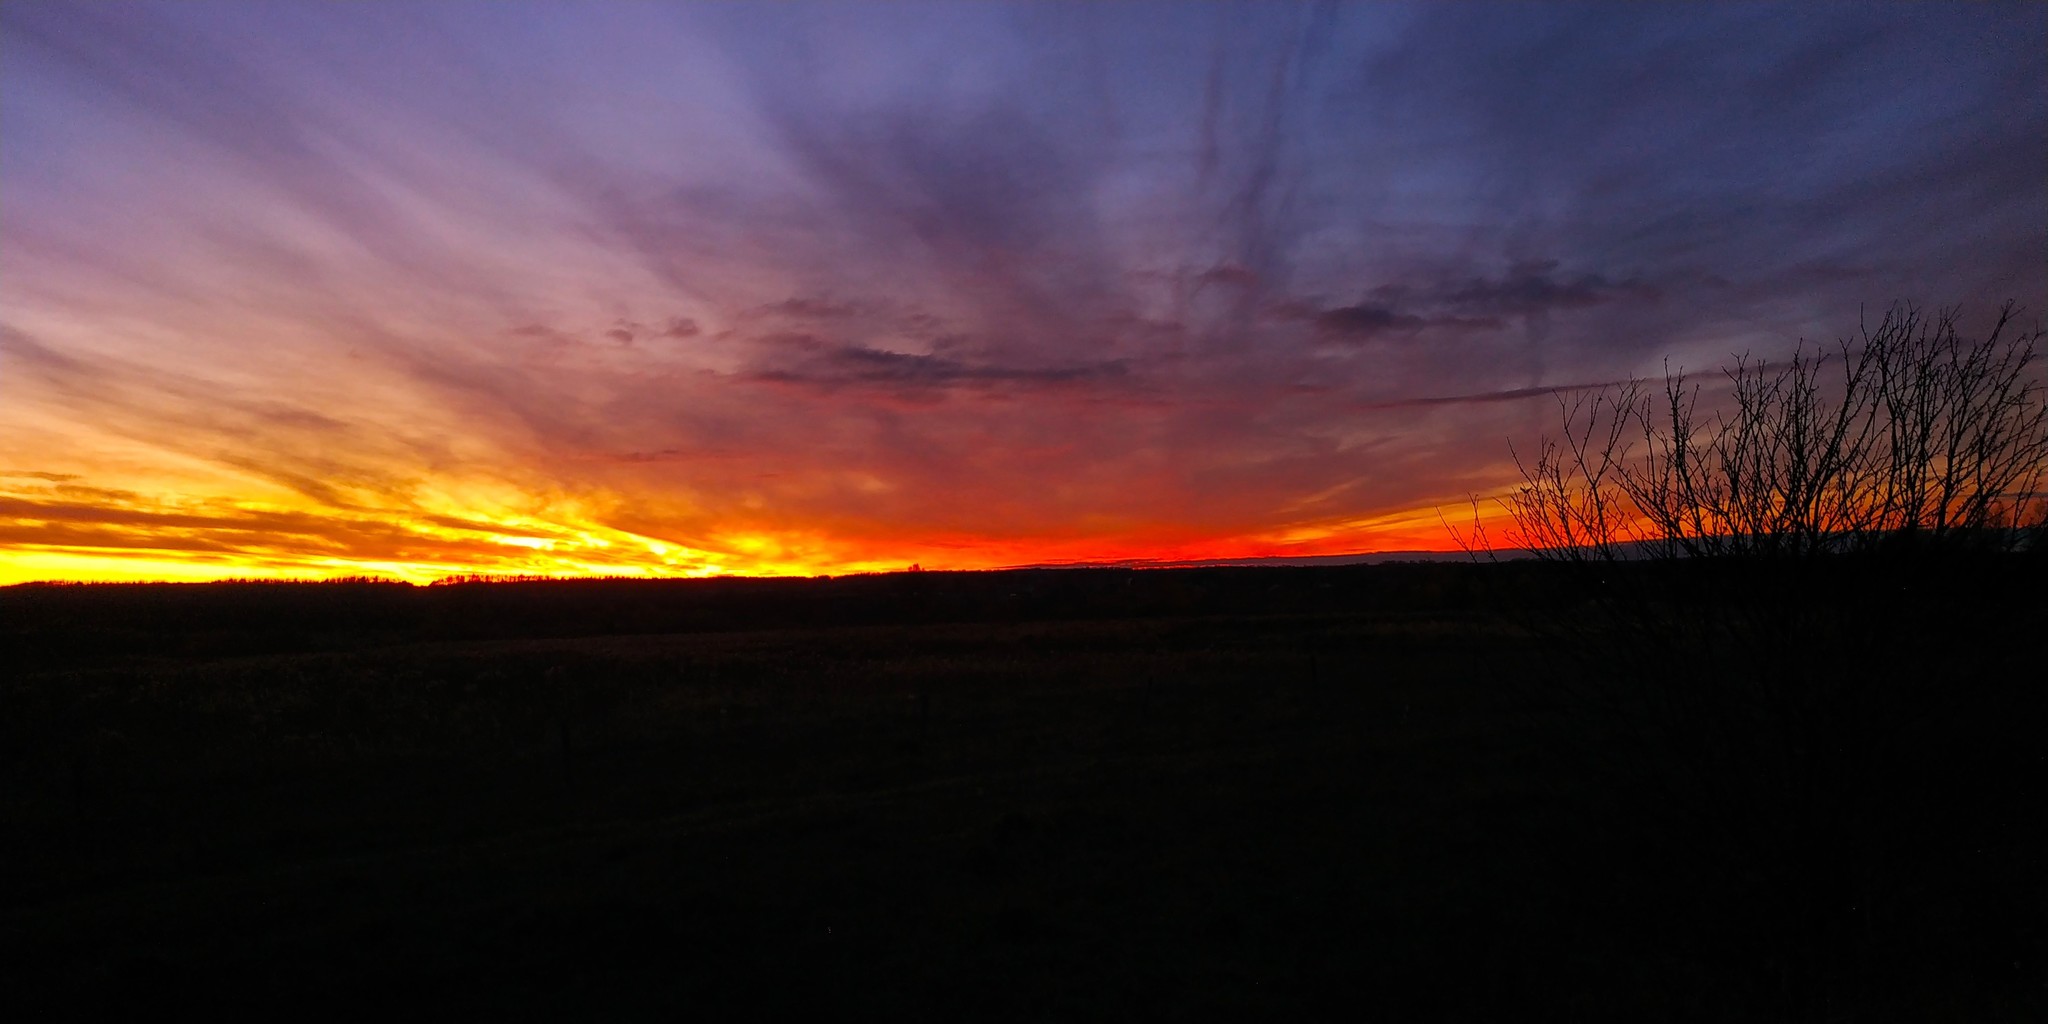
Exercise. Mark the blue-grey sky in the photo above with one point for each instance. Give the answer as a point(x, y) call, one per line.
point(643, 287)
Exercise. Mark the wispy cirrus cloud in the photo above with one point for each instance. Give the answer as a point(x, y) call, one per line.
point(815, 286)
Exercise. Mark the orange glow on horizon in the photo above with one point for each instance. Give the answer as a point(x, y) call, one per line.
point(221, 544)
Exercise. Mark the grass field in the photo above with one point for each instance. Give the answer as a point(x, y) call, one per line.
point(1186, 806)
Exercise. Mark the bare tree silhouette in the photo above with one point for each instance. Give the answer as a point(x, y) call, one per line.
point(1796, 639)
point(1917, 436)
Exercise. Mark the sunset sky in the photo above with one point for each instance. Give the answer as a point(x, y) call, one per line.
point(418, 289)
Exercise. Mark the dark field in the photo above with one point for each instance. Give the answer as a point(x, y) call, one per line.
point(1214, 794)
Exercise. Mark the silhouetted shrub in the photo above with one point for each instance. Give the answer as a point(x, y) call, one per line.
point(1802, 626)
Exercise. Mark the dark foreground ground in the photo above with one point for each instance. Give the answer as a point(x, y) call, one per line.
point(1227, 794)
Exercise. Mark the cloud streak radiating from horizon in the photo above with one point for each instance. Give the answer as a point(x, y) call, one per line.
point(318, 289)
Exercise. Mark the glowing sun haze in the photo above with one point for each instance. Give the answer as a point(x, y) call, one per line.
point(419, 289)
